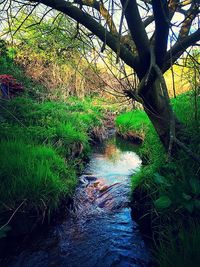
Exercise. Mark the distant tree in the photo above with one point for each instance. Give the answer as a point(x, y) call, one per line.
point(123, 26)
point(53, 38)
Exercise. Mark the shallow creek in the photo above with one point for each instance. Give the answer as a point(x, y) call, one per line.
point(98, 230)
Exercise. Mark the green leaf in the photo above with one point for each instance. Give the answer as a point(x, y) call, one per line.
point(163, 202)
point(195, 186)
point(186, 196)
point(160, 180)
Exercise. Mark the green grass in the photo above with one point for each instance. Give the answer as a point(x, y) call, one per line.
point(41, 150)
point(52, 123)
point(48, 123)
point(136, 120)
point(36, 174)
point(172, 187)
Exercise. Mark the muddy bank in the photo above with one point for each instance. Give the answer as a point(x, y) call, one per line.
point(131, 137)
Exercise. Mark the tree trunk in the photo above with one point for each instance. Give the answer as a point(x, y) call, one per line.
point(160, 114)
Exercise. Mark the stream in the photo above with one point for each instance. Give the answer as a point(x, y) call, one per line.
point(98, 230)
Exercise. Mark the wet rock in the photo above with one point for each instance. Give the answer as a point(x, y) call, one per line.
point(90, 178)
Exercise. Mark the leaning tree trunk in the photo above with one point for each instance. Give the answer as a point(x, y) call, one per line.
point(170, 130)
point(158, 108)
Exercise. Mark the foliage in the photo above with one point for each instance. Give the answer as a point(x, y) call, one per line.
point(173, 189)
point(41, 150)
point(51, 52)
point(52, 39)
point(179, 247)
point(9, 67)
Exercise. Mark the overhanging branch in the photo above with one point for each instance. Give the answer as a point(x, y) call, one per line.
point(177, 50)
point(137, 29)
point(102, 10)
point(96, 28)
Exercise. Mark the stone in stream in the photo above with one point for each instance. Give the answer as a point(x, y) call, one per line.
point(90, 178)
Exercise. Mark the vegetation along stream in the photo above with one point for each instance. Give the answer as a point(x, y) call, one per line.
point(98, 230)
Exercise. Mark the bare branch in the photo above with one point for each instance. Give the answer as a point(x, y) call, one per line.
point(102, 10)
point(179, 47)
point(137, 30)
point(90, 23)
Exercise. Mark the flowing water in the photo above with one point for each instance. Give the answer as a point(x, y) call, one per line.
point(98, 231)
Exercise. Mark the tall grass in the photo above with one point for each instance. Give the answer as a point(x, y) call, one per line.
point(36, 174)
point(53, 123)
point(136, 120)
point(40, 143)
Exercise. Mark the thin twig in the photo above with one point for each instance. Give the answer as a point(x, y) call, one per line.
point(12, 215)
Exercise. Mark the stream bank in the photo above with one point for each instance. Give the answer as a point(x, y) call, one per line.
point(98, 229)
point(41, 154)
point(166, 191)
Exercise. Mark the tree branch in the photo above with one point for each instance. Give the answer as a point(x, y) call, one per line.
point(161, 15)
point(137, 30)
point(186, 25)
point(102, 10)
point(148, 21)
point(179, 47)
point(91, 24)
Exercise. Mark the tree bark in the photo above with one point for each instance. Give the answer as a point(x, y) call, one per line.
point(160, 113)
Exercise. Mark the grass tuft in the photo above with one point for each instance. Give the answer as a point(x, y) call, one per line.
point(36, 174)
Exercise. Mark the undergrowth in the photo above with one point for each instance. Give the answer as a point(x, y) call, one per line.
point(8, 66)
point(172, 186)
point(43, 145)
